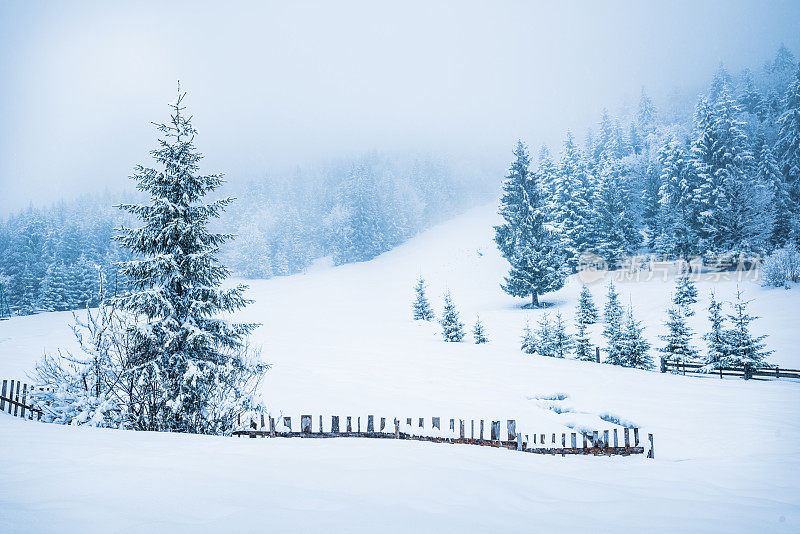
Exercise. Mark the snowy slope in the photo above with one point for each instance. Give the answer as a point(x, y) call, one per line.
point(342, 342)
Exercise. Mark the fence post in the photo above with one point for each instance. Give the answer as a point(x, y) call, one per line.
point(272, 426)
point(287, 421)
point(472, 429)
point(383, 423)
point(24, 400)
point(627, 437)
point(335, 424)
point(305, 424)
point(597, 353)
point(2, 401)
point(635, 437)
point(437, 423)
point(349, 423)
point(396, 428)
point(519, 442)
point(511, 426)
point(663, 364)
point(574, 441)
point(605, 439)
point(584, 439)
point(495, 431)
point(371, 424)
point(616, 440)
point(453, 425)
point(461, 428)
point(563, 441)
point(481, 436)
point(14, 397)
point(650, 453)
point(321, 429)
point(422, 422)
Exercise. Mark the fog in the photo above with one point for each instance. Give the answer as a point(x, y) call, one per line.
point(276, 85)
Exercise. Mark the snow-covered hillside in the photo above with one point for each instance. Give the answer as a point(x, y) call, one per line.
point(342, 342)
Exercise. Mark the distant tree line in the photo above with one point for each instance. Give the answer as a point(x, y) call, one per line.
point(51, 258)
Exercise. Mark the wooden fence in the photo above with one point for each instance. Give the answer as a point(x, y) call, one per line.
point(471, 432)
point(695, 368)
point(15, 400)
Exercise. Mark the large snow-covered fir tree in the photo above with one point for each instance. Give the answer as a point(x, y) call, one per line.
point(191, 363)
point(452, 327)
point(422, 308)
point(525, 239)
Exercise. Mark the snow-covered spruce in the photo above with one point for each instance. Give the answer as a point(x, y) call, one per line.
point(452, 327)
point(685, 295)
point(678, 340)
point(717, 346)
point(742, 349)
point(191, 368)
point(529, 344)
point(612, 330)
point(585, 315)
point(525, 239)
point(479, 332)
point(635, 349)
point(562, 342)
point(421, 307)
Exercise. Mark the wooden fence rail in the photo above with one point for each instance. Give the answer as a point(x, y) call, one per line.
point(607, 442)
point(696, 368)
point(14, 399)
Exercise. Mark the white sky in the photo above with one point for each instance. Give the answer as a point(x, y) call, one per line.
point(273, 85)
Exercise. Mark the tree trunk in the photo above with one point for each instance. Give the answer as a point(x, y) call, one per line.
point(534, 300)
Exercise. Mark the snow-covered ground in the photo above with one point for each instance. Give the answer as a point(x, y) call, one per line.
point(342, 342)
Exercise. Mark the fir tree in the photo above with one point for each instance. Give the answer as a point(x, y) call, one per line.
point(613, 328)
point(192, 362)
point(678, 340)
point(479, 332)
point(635, 349)
point(524, 239)
point(452, 327)
point(528, 340)
point(422, 308)
point(716, 356)
point(613, 227)
point(742, 348)
point(679, 211)
point(788, 148)
point(587, 311)
point(685, 295)
point(545, 345)
point(562, 341)
point(571, 202)
point(585, 315)
point(770, 176)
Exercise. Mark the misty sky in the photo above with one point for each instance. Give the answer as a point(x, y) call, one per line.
point(273, 85)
